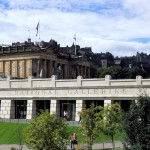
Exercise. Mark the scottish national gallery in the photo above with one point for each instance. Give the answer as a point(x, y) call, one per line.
point(36, 77)
point(24, 98)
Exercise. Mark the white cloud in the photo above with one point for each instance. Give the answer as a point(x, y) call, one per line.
point(104, 25)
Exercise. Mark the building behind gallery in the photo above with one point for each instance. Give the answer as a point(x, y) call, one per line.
point(21, 61)
point(44, 59)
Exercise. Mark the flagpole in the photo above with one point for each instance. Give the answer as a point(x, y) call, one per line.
point(29, 32)
point(75, 44)
point(39, 32)
point(75, 49)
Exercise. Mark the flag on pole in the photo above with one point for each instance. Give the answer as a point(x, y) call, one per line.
point(74, 37)
point(41, 73)
point(37, 29)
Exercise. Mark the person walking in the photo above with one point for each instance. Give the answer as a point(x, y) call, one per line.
point(65, 114)
point(72, 141)
point(80, 118)
point(75, 138)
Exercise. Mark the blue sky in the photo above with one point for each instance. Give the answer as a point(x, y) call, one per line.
point(121, 27)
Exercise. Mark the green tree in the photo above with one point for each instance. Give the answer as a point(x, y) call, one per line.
point(137, 125)
point(89, 125)
point(109, 56)
point(134, 71)
point(109, 120)
point(46, 132)
point(93, 71)
point(114, 71)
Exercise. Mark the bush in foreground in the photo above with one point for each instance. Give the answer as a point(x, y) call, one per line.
point(46, 132)
point(137, 125)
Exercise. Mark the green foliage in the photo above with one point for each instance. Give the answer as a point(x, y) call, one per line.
point(89, 125)
point(121, 73)
point(46, 132)
point(137, 126)
point(109, 119)
point(109, 56)
point(114, 71)
point(93, 71)
point(134, 71)
point(9, 132)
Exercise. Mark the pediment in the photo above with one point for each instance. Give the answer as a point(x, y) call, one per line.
point(84, 59)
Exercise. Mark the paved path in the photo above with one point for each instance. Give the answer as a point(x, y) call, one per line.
point(95, 146)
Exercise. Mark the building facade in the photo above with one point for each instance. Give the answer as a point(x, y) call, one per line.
point(24, 98)
point(44, 59)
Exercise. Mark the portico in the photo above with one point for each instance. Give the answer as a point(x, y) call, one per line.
point(25, 97)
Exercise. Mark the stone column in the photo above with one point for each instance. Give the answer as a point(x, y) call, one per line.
point(44, 68)
point(38, 68)
point(24, 68)
point(78, 73)
point(31, 109)
point(85, 72)
point(62, 71)
point(51, 68)
point(55, 68)
point(7, 109)
point(66, 71)
point(55, 107)
point(106, 102)
point(80, 104)
point(47, 66)
point(89, 72)
point(82, 71)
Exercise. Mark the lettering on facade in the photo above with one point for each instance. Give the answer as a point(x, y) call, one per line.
point(143, 91)
point(81, 92)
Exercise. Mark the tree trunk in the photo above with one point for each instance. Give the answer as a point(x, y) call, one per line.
point(90, 144)
point(112, 138)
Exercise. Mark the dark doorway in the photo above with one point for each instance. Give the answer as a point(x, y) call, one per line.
point(95, 102)
point(68, 107)
point(42, 105)
point(125, 104)
point(20, 109)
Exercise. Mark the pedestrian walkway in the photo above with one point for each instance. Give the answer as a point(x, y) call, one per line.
point(95, 146)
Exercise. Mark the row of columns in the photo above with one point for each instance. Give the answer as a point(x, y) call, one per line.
point(51, 67)
point(43, 68)
point(7, 109)
point(83, 71)
point(15, 68)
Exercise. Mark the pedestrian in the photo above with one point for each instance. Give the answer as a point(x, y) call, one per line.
point(72, 141)
point(80, 118)
point(65, 114)
point(75, 138)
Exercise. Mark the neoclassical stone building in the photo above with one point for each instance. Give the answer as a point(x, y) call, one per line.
point(24, 98)
point(22, 60)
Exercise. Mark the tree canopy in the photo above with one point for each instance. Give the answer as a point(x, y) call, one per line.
point(109, 120)
point(89, 125)
point(137, 125)
point(46, 132)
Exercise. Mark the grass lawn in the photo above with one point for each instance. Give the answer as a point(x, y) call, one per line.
point(9, 133)
point(101, 138)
